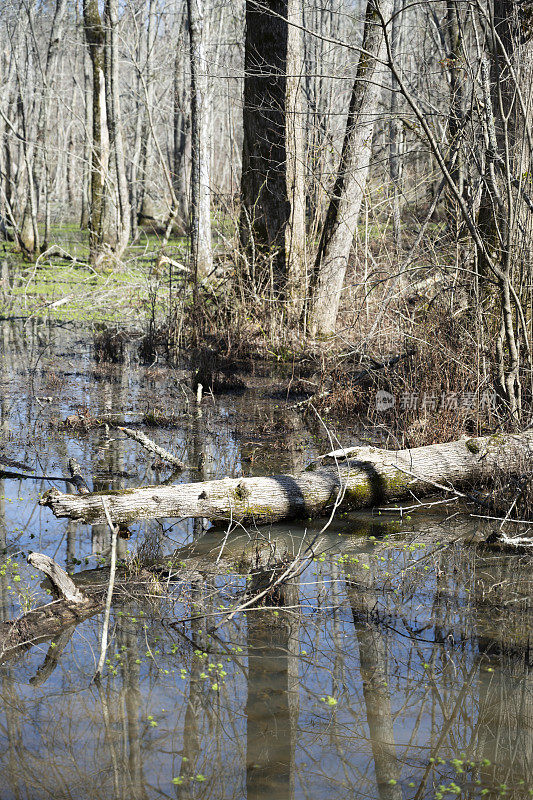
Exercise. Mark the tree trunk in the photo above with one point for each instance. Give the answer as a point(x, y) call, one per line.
point(343, 212)
point(455, 118)
point(396, 136)
point(135, 179)
point(181, 124)
point(114, 122)
point(295, 234)
point(145, 208)
point(86, 164)
point(505, 216)
point(94, 33)
point(358, 477)
point(265, 210)
point(201, 246)
point(40, 171)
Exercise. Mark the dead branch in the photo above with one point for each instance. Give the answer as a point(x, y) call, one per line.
point(152, 447)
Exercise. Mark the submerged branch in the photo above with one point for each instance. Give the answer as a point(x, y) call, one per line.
point(152, 447)
point(92, 591)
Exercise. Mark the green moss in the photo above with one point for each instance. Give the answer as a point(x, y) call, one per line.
point(472, 446)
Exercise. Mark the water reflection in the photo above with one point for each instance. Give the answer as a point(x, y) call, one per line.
point(398, 663)
point(506, 673)
point(372, 659)
point(272, 702)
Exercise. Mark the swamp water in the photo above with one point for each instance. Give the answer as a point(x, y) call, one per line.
point(399, 667)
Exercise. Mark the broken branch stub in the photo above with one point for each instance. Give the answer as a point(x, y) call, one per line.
point(63, 586)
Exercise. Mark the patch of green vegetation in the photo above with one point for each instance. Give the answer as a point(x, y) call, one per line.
point(69, 289)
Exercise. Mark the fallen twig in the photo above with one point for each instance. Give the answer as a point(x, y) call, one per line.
point(152, 447)
point(113, 565)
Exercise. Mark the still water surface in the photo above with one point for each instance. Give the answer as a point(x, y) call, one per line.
point(400, 666)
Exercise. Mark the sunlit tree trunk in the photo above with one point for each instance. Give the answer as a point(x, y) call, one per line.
point(146, 205)
point(343, 212)
point(114, 122)
point(295, 233)
point(86, 165)
point(456, 73)
point(201, 245)
point(38, 170)
point(396, 135)
point(94, 33)
point(506, 209)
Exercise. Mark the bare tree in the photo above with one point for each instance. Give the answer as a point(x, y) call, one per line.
point(201, 245)
point(343, 212)
point(122, 223)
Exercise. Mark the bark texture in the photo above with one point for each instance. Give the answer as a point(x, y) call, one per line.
point(114, 122)
point(356, 477)
point(505, 217)
point(94, 34)
point(265, 206)
point(201, 245)
point(295, 233)
point(343, 212)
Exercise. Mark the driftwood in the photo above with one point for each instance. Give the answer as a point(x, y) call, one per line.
point(76, 477)
point(356, 477)
point(63, 586)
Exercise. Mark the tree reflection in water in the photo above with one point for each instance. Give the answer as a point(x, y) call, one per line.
point(388, 670)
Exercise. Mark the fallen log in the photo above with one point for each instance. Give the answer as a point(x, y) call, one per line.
point(356, 477)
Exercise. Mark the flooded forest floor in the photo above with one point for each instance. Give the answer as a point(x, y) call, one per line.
point(395, 665)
